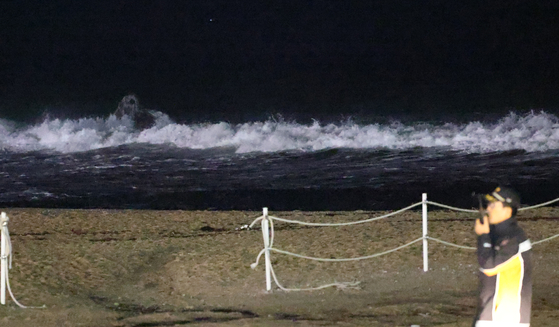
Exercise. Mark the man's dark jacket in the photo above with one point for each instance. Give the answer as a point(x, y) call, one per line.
point(505, 258)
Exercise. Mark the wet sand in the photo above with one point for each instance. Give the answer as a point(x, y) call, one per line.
point(174, 268)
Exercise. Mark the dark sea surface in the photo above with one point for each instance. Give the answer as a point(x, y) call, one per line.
point(104, 162)
point(380, 101)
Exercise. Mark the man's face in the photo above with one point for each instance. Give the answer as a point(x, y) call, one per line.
point(497, 212)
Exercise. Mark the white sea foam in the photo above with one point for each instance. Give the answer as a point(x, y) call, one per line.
point(532, 132)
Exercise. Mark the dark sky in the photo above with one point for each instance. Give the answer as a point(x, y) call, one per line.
point(235, 57)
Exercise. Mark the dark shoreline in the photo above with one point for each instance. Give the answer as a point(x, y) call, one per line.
point(387, 198)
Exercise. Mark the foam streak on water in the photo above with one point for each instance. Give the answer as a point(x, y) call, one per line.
point(532, 132)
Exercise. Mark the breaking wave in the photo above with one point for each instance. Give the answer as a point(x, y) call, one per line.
point(532, 132)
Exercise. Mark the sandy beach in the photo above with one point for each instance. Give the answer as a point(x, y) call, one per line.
point(174, 268)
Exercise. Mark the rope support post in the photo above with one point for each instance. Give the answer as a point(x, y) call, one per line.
point(425, 246)
point(4, 257)
point(266, 236)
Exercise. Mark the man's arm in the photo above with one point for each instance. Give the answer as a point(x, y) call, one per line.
point(492, 260)
point(490, 257)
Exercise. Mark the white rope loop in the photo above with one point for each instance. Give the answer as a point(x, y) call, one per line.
point(255, 221)
point(6, 235)
point(342, 285)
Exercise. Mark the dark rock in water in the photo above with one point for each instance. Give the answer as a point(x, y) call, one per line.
point(130, 106)
point(143, 120)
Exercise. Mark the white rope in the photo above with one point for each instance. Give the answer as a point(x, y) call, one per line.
point(6, 234)
point(451, 244)
point(330, 259)
point(255, 221)
point(450, 207)
point(378, 254)
point(342, 285)
point(271, 232)
point(474, 248)
point(391, 214)
point(471, 210)
point(346, 223)
point(545, 239)
point(539, 205)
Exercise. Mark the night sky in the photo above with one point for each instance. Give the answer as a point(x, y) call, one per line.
point(242, 59)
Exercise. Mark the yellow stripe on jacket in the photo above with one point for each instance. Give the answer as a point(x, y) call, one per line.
point(506, 302)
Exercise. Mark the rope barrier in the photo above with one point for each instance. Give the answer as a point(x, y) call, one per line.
point(391, 214)
point(253, 266)
point(270, 247)
point(7, 254)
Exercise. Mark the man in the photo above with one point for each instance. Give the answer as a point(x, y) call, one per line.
point(504, 254)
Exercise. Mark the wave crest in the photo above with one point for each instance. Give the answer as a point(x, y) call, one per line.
point(531, 132)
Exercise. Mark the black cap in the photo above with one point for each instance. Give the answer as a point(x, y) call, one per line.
point(506, 195)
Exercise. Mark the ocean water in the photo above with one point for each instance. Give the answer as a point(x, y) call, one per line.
point(349, 164)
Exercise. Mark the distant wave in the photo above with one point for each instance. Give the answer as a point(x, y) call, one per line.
point(532, 132)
